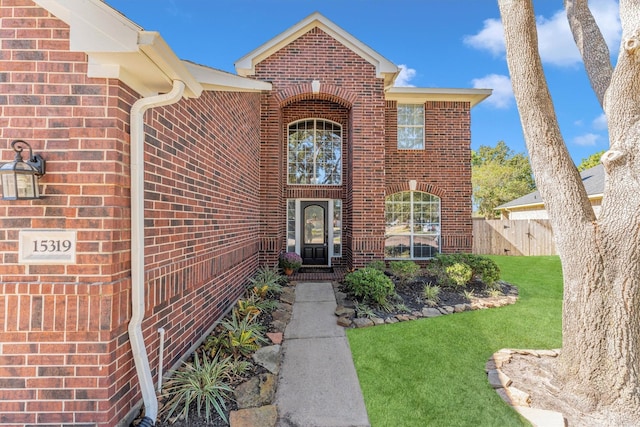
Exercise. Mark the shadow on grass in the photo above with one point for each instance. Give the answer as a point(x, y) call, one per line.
point(430, 372)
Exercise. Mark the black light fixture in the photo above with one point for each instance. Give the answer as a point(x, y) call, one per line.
point(20, 178)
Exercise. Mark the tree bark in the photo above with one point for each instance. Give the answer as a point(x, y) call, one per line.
point(600, 257)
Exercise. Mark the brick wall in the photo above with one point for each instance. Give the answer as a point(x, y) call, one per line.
point(64, 351)
point(443, 168)
point(348, 85)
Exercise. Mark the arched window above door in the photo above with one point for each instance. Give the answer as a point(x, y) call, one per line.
point(314, 152)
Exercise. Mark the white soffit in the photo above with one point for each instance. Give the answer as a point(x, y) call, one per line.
point(216, 80)
point(416, 95)
point(118, 48)
point(245, 66)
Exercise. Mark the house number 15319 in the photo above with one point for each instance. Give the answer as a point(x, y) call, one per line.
point(47, 247)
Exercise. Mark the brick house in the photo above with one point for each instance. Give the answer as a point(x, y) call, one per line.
point(169, 183)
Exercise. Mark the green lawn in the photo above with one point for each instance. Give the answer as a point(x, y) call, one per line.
point(430, 372)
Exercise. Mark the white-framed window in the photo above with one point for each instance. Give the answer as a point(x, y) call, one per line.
point(410, 126)
point(314, 152)
point(412, 225)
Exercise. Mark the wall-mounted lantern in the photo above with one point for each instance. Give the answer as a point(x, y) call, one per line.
point(20, 178)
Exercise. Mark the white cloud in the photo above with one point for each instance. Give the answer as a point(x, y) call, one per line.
point(586, 140)
point(406, 74)
point(600, 122)
point(502, 95)
point(490, 38)
point(555, 41)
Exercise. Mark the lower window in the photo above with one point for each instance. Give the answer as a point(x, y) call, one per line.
point(412, 225)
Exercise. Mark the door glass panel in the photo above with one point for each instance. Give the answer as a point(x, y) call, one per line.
point(314, 224)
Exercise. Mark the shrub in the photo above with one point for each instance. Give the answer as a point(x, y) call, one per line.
point(248, 306)
point(405, 271)
point(459, 274)
point(363, 310)
point(240, 336)
point(369, 285)
point(431, 294)
point(269, 277)
point(482, 268)
point(202, 382)
point(377, 265)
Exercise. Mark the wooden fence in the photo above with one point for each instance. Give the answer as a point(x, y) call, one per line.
point(513, 237)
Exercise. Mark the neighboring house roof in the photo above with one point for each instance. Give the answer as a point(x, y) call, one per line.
point(384, 68)
point(593, 180)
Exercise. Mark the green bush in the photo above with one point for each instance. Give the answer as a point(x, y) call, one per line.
point(377, 265)
point(369, 285)
point(203, 382)
point(459, 274)
point(405, 271)
point(482, 268)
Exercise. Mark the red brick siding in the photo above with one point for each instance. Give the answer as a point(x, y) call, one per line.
point(316, 56)
point(64, 351)
point(443, 168)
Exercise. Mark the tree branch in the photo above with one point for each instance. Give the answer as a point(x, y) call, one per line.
point(556, 176)
point(591, 44)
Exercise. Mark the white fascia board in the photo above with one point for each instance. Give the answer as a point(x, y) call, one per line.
point(414, 95)
point(245, 66)
point(94, 26)
point(118, 48)
point(216, 80)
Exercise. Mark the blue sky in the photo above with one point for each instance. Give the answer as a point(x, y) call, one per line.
point(439, 43)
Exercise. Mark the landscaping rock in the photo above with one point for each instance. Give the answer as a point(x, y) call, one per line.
point(257, 391)
point(377, 321)
point(459, 308)
point(448, 309)
point(264, 416)
point(288, 295)
point(390, 320)
point(282, 315)
point(344, 311)
point(345, 322)
point(278, 325)
point(268, 358)
point(275, 337)
point(431, 312)
point(362, 322)
point(497, 379)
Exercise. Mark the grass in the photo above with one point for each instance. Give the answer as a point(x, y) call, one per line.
point(430, 372)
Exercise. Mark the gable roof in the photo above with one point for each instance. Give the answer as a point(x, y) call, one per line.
point(593, 180)
point(245, 66)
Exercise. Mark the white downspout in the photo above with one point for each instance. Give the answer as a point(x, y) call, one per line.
point(137, 245)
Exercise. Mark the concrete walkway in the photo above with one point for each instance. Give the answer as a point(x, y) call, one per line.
point(318, 385)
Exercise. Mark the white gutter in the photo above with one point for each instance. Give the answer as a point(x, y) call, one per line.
point(137, 245)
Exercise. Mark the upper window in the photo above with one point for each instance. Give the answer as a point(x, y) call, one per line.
point(410, 126)
point(413, 225)
point(315, 153)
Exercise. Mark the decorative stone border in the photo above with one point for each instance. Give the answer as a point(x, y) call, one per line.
point(518, 399)
point(346, 313)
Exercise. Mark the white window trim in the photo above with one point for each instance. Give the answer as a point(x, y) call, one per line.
point(422, 126)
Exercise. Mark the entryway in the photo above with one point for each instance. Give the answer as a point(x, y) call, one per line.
point(314, 245)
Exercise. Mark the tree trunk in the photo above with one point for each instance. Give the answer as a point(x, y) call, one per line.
point(600, 258)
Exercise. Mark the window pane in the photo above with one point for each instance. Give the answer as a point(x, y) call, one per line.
point(291, 225)
point(314, 153)
point(412, 225)
point(397, 247)
point(337, 228)
point(410, 127)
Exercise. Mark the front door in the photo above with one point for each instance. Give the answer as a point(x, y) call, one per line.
point(315, 234)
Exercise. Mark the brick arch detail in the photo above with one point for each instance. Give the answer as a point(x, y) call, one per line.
point(304, 91)
point(422, 186)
